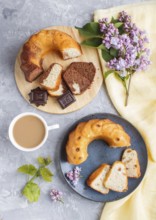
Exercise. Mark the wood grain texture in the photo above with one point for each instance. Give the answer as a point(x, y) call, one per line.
point(52, 106)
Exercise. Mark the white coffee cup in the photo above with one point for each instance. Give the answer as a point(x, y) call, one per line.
point(47, 129)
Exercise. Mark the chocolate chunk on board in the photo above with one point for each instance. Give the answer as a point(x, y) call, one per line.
point(66, 99)
point(38, 96)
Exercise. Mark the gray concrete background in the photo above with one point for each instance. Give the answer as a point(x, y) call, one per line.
point(18, 20)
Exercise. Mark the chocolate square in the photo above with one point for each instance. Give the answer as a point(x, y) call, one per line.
point(66, 99)
point(38, 96)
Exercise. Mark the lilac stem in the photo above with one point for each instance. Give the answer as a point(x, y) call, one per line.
point(127, 90)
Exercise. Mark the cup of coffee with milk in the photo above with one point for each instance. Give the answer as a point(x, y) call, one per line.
point(29, 131)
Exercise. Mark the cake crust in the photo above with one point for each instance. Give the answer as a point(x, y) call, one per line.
point(42, 43)
point(85, 132)
point(96, 179)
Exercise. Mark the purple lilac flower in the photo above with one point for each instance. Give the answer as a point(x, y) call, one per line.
point(110, 34)
point(123, 73)
point(125, 39)
point(124, 17)
point(117, 64)
point(132, 54)
point(56, 195)
point(74, 175)
point(142, 63)
point(103, 20)
point(116, 42)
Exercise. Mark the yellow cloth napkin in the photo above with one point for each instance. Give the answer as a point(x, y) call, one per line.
point(141, 112)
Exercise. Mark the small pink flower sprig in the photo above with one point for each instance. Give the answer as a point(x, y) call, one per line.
point(74, 175)
point(56, 195)
point(122, 45)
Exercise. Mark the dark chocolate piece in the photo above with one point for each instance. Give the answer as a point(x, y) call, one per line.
point(38, 96)
point(66, 99)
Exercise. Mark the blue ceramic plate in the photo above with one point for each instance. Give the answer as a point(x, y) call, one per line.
point(99, 153)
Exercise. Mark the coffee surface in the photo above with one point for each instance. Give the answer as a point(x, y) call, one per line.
point(29, 131)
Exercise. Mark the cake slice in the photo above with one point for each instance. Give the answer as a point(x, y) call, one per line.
point(69, 53)
point(51, 78)
point(116, 178)
point(131, 161)
point(79, 76)
point(95, 180)
point(60, 91)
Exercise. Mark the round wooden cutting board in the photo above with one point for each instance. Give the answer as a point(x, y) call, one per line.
point(52, 106)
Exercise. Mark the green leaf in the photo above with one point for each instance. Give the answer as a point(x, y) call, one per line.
point(108, 73)
point(46, 174)
point(113, 20)
point(48, 161)
point(31, 191)
point(127, 77)
point(92, 42)
point(86, 33)
point(118, 24)
point(119, 77)
point(27, 169)
point(121, 30)
point(102, 47)
point(106, 55)
point(114, 52)
point(91, 29)
point(44, 161)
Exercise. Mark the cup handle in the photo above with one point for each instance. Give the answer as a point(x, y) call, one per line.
point(52, 127)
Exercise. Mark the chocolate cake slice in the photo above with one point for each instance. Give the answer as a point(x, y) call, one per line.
point(79, 76)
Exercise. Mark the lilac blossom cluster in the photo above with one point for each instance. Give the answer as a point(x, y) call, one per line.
point(56, 195)
point(130, 44)
point(74, 175)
